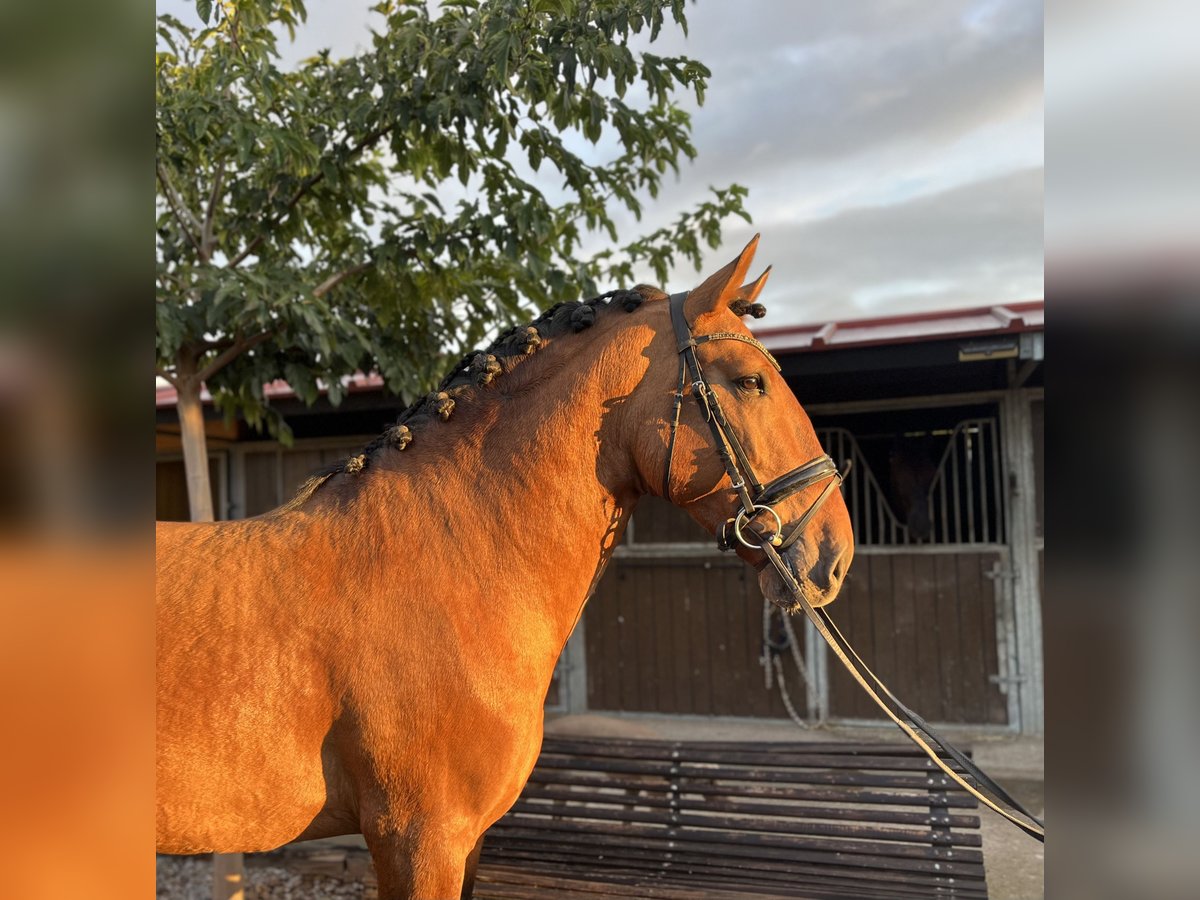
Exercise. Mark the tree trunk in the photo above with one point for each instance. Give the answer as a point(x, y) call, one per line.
point(228, 868)
point(228, 876)
point(195, 449)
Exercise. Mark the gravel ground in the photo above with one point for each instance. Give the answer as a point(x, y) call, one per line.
point(190, 878)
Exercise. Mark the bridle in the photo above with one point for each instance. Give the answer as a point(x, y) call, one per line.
point(755, 497)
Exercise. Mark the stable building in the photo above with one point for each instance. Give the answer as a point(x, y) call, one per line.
point(941, 417)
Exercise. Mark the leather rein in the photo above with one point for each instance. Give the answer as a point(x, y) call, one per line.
point(755, 497)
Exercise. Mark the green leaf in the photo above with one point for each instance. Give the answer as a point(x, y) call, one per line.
point(332, 162)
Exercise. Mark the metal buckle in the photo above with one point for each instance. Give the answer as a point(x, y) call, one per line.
point(700, 392)
point(743, 517)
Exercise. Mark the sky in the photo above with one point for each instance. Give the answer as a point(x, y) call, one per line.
point(893, 151)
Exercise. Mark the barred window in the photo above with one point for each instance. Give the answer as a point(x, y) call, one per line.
point(923, 482)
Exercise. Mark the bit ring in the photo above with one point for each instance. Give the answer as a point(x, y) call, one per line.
point(744, 516)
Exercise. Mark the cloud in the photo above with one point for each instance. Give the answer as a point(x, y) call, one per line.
point(893, 151)
point(973, 245)
point(810, 87)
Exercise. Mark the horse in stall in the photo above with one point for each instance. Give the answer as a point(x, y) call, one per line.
point(912, 465)
point(373, 656)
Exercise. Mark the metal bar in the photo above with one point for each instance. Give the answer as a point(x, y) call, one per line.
point(868, 519)
point(884, 516)
point(669, 550)
point(924, 549)
point(1006, 654)
point(575, 682)
point(941, 486)
point(1022, 531)
point(861, 489)
point(987, 436)
point(1001, 484)
point(956, 503)
point(893, 529)
point(888, 726)
point(969, 456)
point(816, 651)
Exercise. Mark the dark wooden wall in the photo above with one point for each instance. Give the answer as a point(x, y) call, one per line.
point(681, 636)
point(682, 633)
point(170, 490)
point(685, 635)
point(273, 476)
point(925, 623)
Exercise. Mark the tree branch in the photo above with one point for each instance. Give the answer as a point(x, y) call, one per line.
point(338, 277)
point(232, 22)
point(206, 232)
point(222, 359)
point(166, 376)
point(305, 186)
point(180, 210)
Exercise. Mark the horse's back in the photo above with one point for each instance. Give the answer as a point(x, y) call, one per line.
point(172, 543)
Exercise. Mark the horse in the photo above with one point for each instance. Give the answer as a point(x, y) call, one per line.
point(912, 464)
point(373, 656)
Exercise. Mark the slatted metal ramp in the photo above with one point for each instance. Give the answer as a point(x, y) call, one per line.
point(626, 818)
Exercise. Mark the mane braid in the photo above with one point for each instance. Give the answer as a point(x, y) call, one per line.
point(476, 369)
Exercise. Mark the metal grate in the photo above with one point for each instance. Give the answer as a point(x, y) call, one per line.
point(872, 517)
point(966, 499)
point(966, 502)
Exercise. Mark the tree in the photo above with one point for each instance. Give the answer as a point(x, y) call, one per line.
point(381, 212)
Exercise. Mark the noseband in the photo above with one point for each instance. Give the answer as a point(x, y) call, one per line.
point(754, 496)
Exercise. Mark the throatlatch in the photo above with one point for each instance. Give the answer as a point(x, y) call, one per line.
point(755, 497)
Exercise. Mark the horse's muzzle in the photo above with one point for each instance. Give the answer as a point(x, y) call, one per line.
point(820, 581)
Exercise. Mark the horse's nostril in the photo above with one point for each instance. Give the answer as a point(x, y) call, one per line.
point(839, 569)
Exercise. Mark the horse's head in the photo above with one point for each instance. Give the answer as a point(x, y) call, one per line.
point(762, 414)
point(913, 469)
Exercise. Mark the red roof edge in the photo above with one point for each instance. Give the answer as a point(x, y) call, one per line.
point(1024, 315)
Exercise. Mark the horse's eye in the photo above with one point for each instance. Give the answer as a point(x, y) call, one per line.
point(751, 383)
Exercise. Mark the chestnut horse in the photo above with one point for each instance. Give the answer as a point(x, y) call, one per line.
point(374, 655)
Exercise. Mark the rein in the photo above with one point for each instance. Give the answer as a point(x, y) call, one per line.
point(755, 497)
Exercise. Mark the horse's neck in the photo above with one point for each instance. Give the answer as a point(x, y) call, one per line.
point(527, 496)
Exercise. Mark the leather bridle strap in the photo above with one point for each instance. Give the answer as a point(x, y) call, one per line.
point(754, 497)
point(915, 727)
point(798, 480)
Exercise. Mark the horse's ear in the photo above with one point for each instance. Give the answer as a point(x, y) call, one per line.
point(721, 288)
point(749, 292)
point(743, 304)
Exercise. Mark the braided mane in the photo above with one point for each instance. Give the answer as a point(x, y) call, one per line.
point(477, 369)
